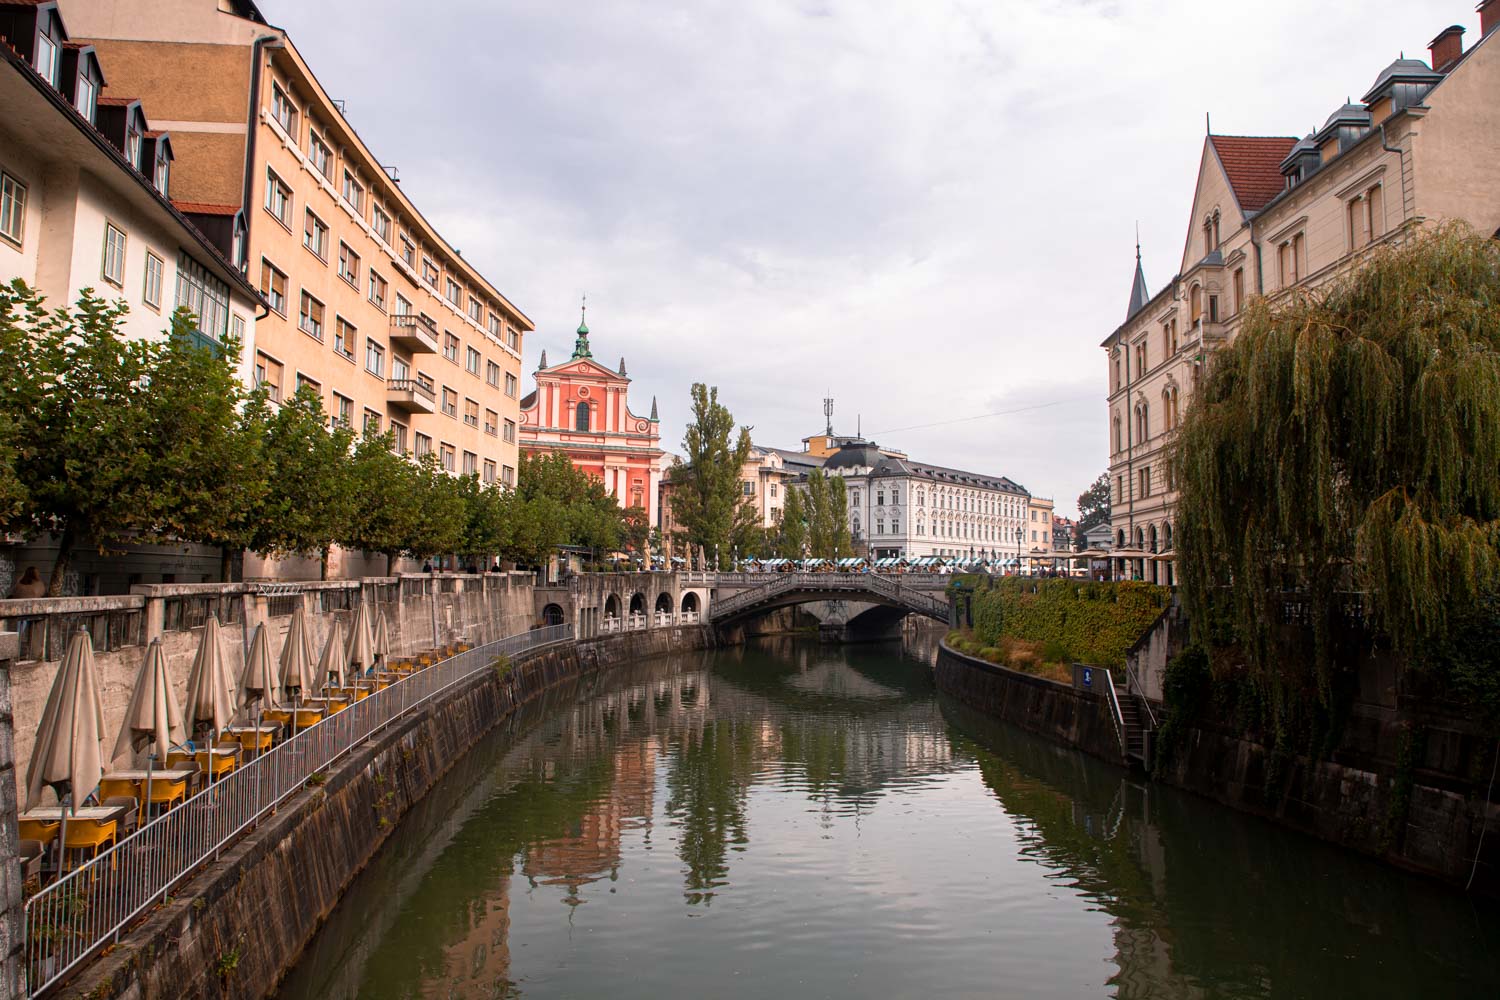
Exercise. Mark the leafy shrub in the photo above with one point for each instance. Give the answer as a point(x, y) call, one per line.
point(1053, 651)
point(1091, 621)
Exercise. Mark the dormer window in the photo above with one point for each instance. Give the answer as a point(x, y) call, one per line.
point(48, 48)
point(87, 101)
point(163, 168)
point(133, 144)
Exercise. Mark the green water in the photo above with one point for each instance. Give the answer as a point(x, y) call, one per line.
point(790, 820)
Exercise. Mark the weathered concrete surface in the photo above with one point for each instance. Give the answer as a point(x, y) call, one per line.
point(12, 915)
point(1057, 711)
point(235, 929)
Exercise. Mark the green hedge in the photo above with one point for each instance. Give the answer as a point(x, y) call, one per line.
point(1091, 622)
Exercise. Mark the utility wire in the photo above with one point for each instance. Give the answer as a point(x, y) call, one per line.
point(986, 416)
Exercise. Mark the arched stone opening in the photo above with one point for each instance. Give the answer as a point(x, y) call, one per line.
point(690, 602)
point(637, 603)
point(664, 603)
point(552, 614)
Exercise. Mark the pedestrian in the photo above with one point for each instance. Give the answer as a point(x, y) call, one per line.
point(427, 566)
point(30, 584)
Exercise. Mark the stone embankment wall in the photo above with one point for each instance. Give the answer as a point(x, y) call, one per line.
point(1080, 719)
point(236, 928)
point(422, 611)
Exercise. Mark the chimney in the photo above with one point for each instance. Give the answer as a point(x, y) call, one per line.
point(1489, 16)
point(1447, 47)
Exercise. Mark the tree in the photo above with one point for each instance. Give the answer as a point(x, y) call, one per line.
point(819, 516)
point(637, 531)
point(444, 515)
point(389, 497)
point(1346, 440)
point(1093, 507)
point(707, 500)
point(838, 511)
point(792, 536)
point(311, 500)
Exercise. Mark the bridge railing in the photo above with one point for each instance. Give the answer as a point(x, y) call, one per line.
point(876, 584)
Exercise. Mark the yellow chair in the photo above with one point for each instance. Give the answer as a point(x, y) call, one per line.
point(307, 717)
point(216, 765)
point(44, 831)
point(176, 758)
point(88, 835)
point(110, 787)
point(252, 739)
point(164, 793)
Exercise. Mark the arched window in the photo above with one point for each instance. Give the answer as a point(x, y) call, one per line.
point(1142, 422)
point(1120, 538)
point(583, 417)
point(1195, 303)
point(1118, 442)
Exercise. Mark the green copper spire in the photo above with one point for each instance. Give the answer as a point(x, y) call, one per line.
point(581, 345)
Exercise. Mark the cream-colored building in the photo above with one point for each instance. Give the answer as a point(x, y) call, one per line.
point(1272, 214)
point(1037, 537)
point(84, 188)
point(369, 306)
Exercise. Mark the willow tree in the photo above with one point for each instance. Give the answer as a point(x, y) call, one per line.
point(1349, 440)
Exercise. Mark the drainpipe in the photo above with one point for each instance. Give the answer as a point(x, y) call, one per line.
point(1401, 154)
point(259, 45)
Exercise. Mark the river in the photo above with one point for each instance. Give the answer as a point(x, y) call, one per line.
point(792, 820)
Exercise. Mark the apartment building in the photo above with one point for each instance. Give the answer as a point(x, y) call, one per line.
point(368, 305)
point(85, 183)
point(1272, 214)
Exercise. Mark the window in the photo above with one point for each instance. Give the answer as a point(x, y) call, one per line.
point(12, 209)
point(87, 102)
point(455, 293)
point(47, 50)
point(312, 384)
point(747, 488)
point(398, 438)
point(400, 370)
point(773, 489)
point(510, 385)
point(354, 192)
point(423, 446)
point(348, 264)
point(445, 454)
point(471, 361)
point(320, 155)
point(1375, 212)
point(113, 270)
point(155, 270)
point(268, 374)
point(378, 288)
point(1195, 308)
point(310, 316)
point(1140, 357)
point(1289, 258)
point(1213, 308)
point(450, 402)
point(381, 223)
point(374, 357)
point(513, 338)
point(283, 110)
point(133, 143)
point(345, 336)
point(408, 251)
point(278, 198)
point(507, 475)
point(343, 408)
point(880, 498)
point(471, 463)
point(371, 423)
point(495, 325)
point(1239, 290)
point(476, 310)
point(510, 438)
point(471, 413)
point(491, 422)
point(1145, 482)
point(162, 176)
point(237, 328)
point(315, 235)
point(273, 286)
point(450, 347)
point(489, 471)
point(429, 272)
point(403, 307)
point(492, 373)
point(582, 417)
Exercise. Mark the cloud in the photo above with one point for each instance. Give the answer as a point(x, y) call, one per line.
point(927, 210)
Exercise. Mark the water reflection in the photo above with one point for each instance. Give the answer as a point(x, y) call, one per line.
point(797, 819)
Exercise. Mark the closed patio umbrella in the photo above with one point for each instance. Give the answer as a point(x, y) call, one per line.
point(259, 682)
point(359, 652)
point(69, 751)
point(331, 663)
point(382, 640)
point(297, 672)
point(153, 717)
point(210, 699)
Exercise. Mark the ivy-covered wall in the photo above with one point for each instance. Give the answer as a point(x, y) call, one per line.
point(1092, 622)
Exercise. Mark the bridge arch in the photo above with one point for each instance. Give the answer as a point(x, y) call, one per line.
point(637, 603)
point(665, 604)
point(690, 603)
point(612, 606)
point(552, 614)
point(787, 589)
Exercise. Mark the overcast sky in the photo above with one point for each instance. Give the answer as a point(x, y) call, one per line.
point(926, 209)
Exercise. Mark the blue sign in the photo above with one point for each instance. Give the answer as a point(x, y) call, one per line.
point(1088, 676)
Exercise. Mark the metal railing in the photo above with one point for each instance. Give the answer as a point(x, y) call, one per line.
point(1118, 716)
point(876, 584)
point(69, 920)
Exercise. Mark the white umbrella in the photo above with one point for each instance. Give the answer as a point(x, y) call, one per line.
point(297, 658)
point(382, 640)
point(69, 746)
point(331, 663)
point(258, 681)
point(359, 652)
point(153, 718)
point(210, 699)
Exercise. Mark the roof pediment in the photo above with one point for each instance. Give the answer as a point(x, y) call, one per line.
point(585, 367)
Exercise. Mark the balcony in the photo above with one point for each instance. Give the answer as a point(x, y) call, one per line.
point(412, 332)
point(410, 395)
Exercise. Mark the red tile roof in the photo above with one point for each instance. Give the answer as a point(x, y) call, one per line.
point(118, 102)
point(203, 208)
point(1253, 166)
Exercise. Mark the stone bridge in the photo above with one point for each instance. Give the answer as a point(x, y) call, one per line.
point(845, 604)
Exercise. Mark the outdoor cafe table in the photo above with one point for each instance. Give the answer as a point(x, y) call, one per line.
point(350, 694)
point(257, 738)
point(329, 705)
point(167, 784)
point(88, 826)
point(214, 762)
